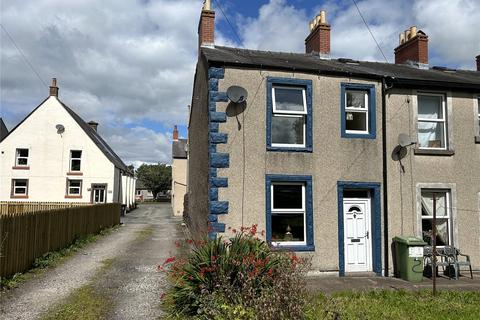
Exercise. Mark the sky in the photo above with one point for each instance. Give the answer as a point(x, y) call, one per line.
point(130, 64)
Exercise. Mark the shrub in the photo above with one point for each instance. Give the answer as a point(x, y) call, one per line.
point(238, 278)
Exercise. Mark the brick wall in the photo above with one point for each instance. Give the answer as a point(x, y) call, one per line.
point(206, 27)
point(318, 40)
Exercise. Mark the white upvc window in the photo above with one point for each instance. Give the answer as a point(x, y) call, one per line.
point(432, 121)
point(288, 116)
point(20, 187)
point(21, 157)
point(74, 187)
point(288, 213)
point(443, 213)
point(356, 111)
point(75, 160)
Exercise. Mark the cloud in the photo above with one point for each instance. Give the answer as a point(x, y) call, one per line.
point(117, 62)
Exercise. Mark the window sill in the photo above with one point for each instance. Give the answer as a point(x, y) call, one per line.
point(73, 197)
point(358, 135)
point(293, 248)
point(18, 197)
point(426, 152)
point(21, 167)
point(288, 149)
point(74, 173)
point(477, 139)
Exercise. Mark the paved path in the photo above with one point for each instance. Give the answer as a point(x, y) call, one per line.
point(330, 284)
point(145, 240)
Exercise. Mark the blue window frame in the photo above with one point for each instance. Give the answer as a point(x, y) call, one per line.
point(295, 112)
point(358, 111)
point(289, 218)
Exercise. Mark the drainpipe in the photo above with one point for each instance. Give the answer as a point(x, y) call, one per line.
point(384, 169)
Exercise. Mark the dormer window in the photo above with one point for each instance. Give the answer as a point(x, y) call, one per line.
point(21, 158)
point(75, 160)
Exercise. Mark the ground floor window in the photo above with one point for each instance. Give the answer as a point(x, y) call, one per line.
point(20, 187)
point(443, 213)
point(289, 211)
point(74, 187)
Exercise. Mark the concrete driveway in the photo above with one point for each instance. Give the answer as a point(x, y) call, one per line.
point(130, 280)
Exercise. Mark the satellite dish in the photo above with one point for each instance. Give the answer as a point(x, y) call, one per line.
point(60, 128)
point(237, 94)
point(404, 140)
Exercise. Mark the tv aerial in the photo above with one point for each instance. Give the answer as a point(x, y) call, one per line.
point(237, 94)
point(60, 128)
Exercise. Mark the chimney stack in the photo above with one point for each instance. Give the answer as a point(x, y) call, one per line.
point(478, 62)
point(54, 88)
point(175, 133)
point(318, 41)
point(206, 26)
point(93, 125)
point(412, 47)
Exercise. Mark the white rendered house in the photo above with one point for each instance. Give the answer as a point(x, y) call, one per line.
point(53, 155)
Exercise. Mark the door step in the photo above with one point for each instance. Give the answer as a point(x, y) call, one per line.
point(368, 274)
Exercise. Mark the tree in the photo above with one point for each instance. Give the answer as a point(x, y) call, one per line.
point(156, 177)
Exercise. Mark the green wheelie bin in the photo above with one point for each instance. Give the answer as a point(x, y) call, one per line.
point(409, 257)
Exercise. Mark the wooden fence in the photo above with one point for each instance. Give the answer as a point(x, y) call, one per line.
point(29, 235)
point(20, 207)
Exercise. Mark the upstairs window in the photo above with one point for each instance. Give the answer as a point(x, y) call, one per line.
point(75, 160)
point(74, 187)
point(20, 187)
point(358, 111)
point(21, 158)
point(431, 122)
point(289, 115)
point(288, 119)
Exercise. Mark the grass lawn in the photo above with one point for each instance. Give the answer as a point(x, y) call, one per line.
point(383, 304)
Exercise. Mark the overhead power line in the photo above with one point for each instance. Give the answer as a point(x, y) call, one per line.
point(23, 55)
point(370, 31)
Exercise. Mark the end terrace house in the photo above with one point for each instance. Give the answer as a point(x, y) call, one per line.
point(53, 155)
point(310, 152)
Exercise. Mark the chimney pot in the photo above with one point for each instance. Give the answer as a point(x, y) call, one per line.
point(93, 125)
point(175, 133)
point(318, 41)
point(413, 47)
point(54, 88)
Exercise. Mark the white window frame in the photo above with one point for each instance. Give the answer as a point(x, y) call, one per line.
point(358, 110)
point(14, 193)
point(448, 211)
point(17, 157)
point(444, 120)
point(79, 188)
point(279, 211)
point(71, 160)
point(290, 114)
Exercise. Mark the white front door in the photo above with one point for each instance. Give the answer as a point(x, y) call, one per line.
point(357, 235)
point(98, 194)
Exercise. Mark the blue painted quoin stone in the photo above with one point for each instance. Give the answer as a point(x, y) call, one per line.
point(217, 160)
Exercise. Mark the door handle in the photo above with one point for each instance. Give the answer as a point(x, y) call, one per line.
point(367, 235)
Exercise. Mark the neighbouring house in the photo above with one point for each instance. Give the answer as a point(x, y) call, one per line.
point(309, 150)
point(142, 193)
point(179, 172)
point(53, 155)
point(3, 130)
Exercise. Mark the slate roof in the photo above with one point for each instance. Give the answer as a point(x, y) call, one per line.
point(3, 130)
point(99, 142)
point(179, 149)
point(310, 63)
